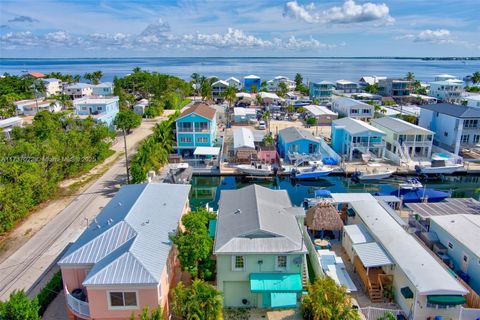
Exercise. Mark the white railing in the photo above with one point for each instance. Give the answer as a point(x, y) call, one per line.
point(372, 313)
point(468, 313)
point(312, 253)
point(78, 307)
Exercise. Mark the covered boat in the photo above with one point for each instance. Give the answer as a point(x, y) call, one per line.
point(418, 195)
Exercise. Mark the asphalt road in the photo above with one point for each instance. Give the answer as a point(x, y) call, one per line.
point(23, 268)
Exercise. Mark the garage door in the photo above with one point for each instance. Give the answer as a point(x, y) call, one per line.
point(237, 294)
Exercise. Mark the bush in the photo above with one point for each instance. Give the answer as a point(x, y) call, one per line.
point(19, 307)
point(49, 292)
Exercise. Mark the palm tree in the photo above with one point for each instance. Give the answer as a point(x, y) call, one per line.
point(230, 95)
point(137, 70)
point(199, 301)
point(76, 78)
point(97, 76)
point(326, 300)
point(298, 81)
point(266, 117)
point(476, 77)
point(410, 76)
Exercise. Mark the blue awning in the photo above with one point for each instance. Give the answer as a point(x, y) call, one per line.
point(275, 282)
point(283, 300)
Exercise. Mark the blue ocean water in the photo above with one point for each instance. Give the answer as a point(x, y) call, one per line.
point(312, 69)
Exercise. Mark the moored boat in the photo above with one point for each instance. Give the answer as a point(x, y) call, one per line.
point(374, 175)
point(439, 165)
point(255, 169)
point(310, 172)
point(411, 184)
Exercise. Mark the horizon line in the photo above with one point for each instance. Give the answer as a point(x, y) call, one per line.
point(256, 57)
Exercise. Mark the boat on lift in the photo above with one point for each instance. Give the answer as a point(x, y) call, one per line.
point(439, 165)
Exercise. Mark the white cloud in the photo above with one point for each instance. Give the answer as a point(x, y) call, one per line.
point(350, 12)
point(440, 36)
point(159, 35)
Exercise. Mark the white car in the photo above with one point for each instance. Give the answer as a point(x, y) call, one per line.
point(262, 125)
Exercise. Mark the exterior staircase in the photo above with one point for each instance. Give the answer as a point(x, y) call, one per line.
point(305, 278)
point(375, 293)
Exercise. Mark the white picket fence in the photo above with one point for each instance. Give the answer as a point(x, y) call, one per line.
point(372, 313)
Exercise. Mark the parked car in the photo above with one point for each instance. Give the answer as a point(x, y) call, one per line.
point(262, 125)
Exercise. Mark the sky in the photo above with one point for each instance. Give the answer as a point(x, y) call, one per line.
point(226, 28)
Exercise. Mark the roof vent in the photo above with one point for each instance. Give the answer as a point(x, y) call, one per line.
point(238, 211)
point(164, 204)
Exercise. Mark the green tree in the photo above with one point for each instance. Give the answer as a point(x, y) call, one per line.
point(410, 76)
point(476, 77)
point(263, 85)
point(19, 307)
point(127, 120)
point(387, 316)
point(199, 301)
point(298, 81)
point(194, 244)
point(268, 140)
point(372, 88)
point(230, 95)
point(253, 88)
point(206, 90)
point(155, 314)
point(327, 301)
point(266, 117)
point(311, 121)
point(282, 89)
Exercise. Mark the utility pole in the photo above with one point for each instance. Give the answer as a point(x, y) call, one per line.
point(126, 155)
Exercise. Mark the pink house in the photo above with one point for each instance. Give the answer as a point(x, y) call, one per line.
point(267, 154)
point(124, 260)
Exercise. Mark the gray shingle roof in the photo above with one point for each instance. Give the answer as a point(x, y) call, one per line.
point(291, 134)
point(129, 242)
point(454, 110)
point(256, 219)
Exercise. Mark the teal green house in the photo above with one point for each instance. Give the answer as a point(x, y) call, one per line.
point(321, 91)
point(261, 257)
point(196, 127)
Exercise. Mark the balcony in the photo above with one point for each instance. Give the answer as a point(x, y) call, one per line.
point(366, 144)
point(77, 306)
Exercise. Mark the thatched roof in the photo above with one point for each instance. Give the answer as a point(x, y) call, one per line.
point(323, 216)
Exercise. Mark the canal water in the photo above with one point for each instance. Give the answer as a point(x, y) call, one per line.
point(207, 189)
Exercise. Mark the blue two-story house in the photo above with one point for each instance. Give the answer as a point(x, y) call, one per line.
point(196, 127)
point(252, 83)
point(293, 140)
point(321, 91)
point(103, 89)
point(101, 109)
point(351, 136)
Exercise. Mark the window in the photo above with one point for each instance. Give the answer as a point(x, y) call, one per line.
point(122, 300)
point(354, 111)
point(238, 263)
point(366, 111)
point(465, 138)
point(202, 139)
point(418, 137)
point(201, 126)
point(186, 139)
point(465, 258)
point(445, 134)
point(100, 108)
point(470, 123)
point(450, 245)
point(281, 263)
point(476, 138)
point(429, 137)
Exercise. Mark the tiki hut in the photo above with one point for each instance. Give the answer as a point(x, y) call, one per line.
point(322, 217)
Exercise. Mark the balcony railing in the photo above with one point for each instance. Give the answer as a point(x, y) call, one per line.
point(366, 144)
point(77, 306)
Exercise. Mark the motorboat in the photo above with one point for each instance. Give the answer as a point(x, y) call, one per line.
point(439, 165)
point(310, 172)
point(373, 175)
point(418, 195)
point(411, 184)
point(255, 169)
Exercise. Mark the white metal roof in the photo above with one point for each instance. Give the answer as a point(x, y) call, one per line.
point(252, 76)
point(95, 100)
point(128, 243)
point(10, 121)
point(372, 254)
point(319, 110)
point(463, 227)
point(355, 126)
point(225, 83)
point(206, 151)
point(358, 233)
point(345, 82)
point(269, 95)
point(239, 111)
point(400, 125)
point(243, 138)
point(232, 79)
point(421, 268)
